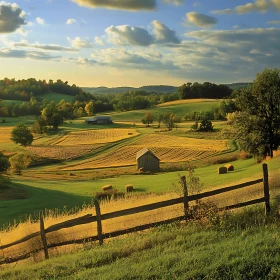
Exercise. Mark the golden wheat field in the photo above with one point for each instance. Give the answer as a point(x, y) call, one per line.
point(167, 148)
point(5, 134)
point(185, 101)
point(60, 152)
point(100, 136)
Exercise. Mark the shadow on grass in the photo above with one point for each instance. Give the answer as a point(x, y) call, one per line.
point(38, 201)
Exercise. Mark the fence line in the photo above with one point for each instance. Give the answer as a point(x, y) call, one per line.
point(98, 218)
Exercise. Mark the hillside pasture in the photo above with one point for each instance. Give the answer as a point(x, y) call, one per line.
point(90, 137)
point(186, 101)
point(167, 148)
point(180, 109)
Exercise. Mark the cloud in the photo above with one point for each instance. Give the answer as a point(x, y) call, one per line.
point(122, 58)
point(261, 6)
point(79, 43)
point(200, 20)
point(127, 35)
point(132, 5)
point(14, 53)
point(163, 34)
point(12, 17)
point(40, 20)
point(174, 2)
point(46, 47)
point(70, 21)
point(274, 22)
point(138, 36)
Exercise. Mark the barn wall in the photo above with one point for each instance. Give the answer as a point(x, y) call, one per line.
point(148, 162)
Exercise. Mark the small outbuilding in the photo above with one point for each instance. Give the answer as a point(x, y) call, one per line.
point(99, 120)
point(147, 160)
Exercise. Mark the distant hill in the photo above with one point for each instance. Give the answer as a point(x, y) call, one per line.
point(238, 85)
point(157, 88)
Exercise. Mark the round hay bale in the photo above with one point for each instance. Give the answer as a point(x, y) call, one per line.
point(107, 188)
point(229, 167)
point(129, 188)
point(222, 170)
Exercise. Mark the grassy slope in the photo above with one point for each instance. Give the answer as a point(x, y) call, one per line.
point(56, 97)
point(181, 110)
point(75, 193)
point(240, 246)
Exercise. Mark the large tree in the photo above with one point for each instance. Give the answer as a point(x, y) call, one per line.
point(4, 163)
point(258, 123)
point(22, 135)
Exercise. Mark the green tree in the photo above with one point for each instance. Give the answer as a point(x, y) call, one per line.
point(206, 126)
point(40, 126)
point(19, 162)
point(56, 120)
point(257, 125)
point(89, 108)
point(22, 135)
point(4, 163)
point(171, 120)
point(148, 118)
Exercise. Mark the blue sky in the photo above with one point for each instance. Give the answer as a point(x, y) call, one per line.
point(134, 43)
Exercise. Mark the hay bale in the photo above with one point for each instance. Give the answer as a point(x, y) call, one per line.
point(129, 188)
point(222, 170)
point(229, 167)
point(107, 188)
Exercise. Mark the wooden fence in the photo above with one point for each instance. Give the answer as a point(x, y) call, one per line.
point(99, 217)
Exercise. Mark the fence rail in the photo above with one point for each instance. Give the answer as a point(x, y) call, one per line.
point(98, 218)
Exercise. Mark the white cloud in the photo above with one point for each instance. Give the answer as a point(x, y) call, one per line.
point(12, 17)
point(70, 21)
point(15, 53)
point(46, 47)
point(261, 6)
point(128, 35)
point(79, 43)
point(40, 20)
point(174, 2)
point(200, 20)
point(163, 34)
point(98, 40)
point(122, 58)
point(274, 22)
point(132, 5)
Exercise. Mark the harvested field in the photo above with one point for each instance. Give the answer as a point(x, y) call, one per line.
point(185, 101)
point(167, 148)
point(169, 141)
point(60, 152)
point(100, 136)
point(5, 134)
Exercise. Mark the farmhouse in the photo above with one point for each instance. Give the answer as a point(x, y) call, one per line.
point(99, 120)
point(147, 161)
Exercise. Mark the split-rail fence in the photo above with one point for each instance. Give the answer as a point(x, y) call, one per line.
point(99, 217)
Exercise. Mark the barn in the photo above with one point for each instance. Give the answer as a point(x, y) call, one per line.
point(99, 120)
point(147, 161)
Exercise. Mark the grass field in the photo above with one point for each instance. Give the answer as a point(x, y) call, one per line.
point(179, 109)
point(178, 251)
point(56, 97)
point(65, 193)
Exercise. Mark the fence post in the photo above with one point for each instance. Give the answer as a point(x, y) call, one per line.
point(99, 223)
point(186, 199)
point(44, 238)
point(266, 189)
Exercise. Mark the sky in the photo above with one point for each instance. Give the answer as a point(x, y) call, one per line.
point(115, 43)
